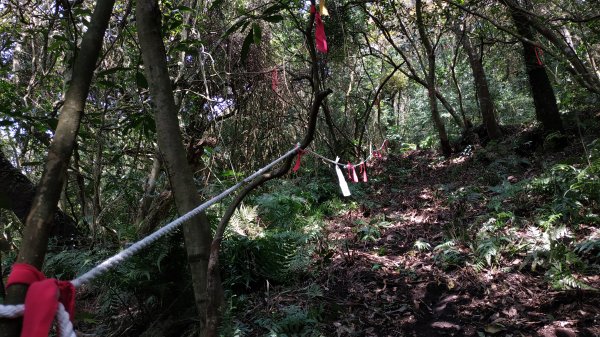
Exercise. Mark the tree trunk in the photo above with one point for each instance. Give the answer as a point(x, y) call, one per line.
point(486, 104)
point(37, 229)
point(97, 177)
point(17, 195)
point(412, 73)
point(213, 269)
point(149, 189)
point(586, 77)
point(196, 232)
point(430, 79)
point(546, 109)
point(466, 121)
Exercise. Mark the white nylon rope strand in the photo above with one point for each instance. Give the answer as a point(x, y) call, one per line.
point(12, 311)
point(341, 164)
point(65, 326)
point(136, 247)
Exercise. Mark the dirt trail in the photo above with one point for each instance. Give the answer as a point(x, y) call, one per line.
point(380, 285)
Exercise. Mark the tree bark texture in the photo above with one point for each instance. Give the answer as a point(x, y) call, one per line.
point(213, 267)
point(37, 229)
point(584, 75)
point(149, 189)
point(430, 79)
point(17, 195)
point(546, 108)
point(486, 103)
point(197, 234)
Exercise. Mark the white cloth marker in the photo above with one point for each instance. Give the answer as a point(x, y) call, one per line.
point(340, 175)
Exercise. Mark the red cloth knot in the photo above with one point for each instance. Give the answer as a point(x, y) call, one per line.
point(41, 301)
point(301, 152)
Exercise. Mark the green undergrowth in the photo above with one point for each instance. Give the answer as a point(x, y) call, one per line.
point(271, 242)
point(545, 223)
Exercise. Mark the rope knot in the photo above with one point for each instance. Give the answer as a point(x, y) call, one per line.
point(42, 299)
point(301, 152)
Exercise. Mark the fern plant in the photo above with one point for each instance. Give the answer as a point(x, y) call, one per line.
point(295, 322)
point(421, 245)
point(590, 247)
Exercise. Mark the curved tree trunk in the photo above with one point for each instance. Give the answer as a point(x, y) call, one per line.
point(546, 108)
point(213, 267)
point(196, 232)
point(17, 195)
point(486, 104)
point(37, 229)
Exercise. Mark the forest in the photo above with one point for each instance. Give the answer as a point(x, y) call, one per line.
point(299, 168)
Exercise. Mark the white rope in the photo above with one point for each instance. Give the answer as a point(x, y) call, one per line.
point(12, 311)
point(136, 247)
point(341, 164)
point(63, 320)
point(62, 316)
point(65, 327)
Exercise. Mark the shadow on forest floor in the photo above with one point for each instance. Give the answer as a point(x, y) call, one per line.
point(386, 287)
point(378, 283)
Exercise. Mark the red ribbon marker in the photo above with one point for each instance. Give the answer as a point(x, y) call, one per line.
point(41, 301)
point(363, 171)
point(320, 38)
point(538, 54)
point(352, 173)
point(376, 154)
point(301, 152)
point(274, 79)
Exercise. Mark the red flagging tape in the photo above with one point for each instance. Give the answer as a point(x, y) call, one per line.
point(41, 301)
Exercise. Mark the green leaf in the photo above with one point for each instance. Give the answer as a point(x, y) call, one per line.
point(235, 27)
point(141, 80)
point(244, 26)
point(257, 33)
point(52, 123)
point(246, 46)
point(60, 38)
point(273, 9)
point(274, 18)
point(183, 8)
point(107, 84)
